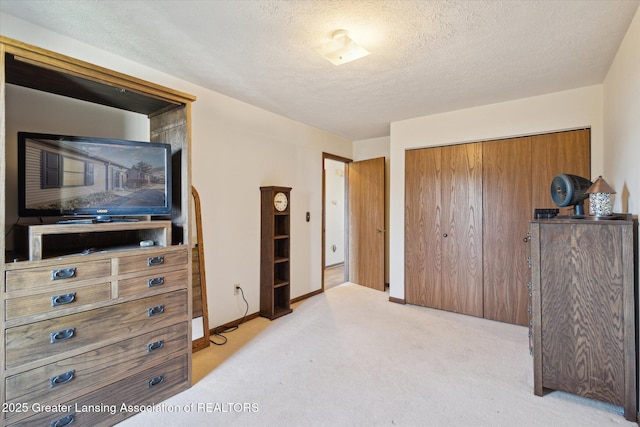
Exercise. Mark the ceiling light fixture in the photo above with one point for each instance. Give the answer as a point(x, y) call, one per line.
point(342, 49)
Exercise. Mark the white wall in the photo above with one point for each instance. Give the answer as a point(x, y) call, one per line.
point(236, 149)
point(622, 122)
point(622, 130)
point(34, 111)
point(553, 112)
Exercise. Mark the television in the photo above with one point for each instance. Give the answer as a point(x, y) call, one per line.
point(90, 177)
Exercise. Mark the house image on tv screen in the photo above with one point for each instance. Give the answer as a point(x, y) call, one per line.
point(69, 175)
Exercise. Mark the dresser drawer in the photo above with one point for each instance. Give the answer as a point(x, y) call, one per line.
point(55, 337)
point(151, 261)
point(148, 282)
point(103, 407)
point(17, 280)
point(51, 301)
point(101, 366)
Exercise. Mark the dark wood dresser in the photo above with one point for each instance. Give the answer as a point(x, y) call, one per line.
point(583, 311)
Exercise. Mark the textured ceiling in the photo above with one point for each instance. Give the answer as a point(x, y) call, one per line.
point(426, 56)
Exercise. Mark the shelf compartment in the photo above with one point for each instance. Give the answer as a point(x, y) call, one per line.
point(36, 242)
point(279, 283)
point(281, 226)
point(281, 250)
point(281, 299)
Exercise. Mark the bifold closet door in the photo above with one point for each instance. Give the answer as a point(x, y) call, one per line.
point(507, 210)
point(461, 229)
point(443, 228)
point(467, 217)
point(554, 153)
point(423, 245)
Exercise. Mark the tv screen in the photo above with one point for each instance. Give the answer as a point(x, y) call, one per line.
point(81, 176)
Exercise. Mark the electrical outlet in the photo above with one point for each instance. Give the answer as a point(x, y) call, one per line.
point(236, 289)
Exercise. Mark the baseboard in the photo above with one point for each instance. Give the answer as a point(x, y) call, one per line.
point(251, 316)
point(397, 300)
point(305, 296)
point(339, 264)
point(233, 323)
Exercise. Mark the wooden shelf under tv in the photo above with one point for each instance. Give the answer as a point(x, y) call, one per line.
point(37, 242)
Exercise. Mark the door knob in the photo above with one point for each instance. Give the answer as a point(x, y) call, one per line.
point(381, 230)
point(445, 235)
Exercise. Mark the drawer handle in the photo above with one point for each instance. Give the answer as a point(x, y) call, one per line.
point(155, 260)
point(155, 346)
point(63, 273)
point(64, 421)
point(158, 309)
point(155, 381)
point(62, 335)
point(156, 281)
point(62, 378)
point(63, 299)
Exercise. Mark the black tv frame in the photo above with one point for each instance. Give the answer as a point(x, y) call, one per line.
point(99, 213)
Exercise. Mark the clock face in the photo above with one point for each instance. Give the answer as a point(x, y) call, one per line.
point(280, 201)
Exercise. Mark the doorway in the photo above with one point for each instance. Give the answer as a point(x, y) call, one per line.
point(335, 245)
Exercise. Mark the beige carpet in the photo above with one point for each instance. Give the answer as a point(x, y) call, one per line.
point(349, 357)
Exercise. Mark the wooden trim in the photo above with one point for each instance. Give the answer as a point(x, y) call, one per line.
point(2, 165)
point(202, 342)
point(397, 300)
point(636, 286)
point(536, 315)
point(56, 61)
point(346, 161)
point(305, 296)
point(334, 157)
point(337, 264)
point(629, 310)
point(237, 322)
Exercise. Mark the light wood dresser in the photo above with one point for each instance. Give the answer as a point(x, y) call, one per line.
point(89, 339)
point(85, 334)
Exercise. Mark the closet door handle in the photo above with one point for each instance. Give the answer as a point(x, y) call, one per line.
point(445, 235)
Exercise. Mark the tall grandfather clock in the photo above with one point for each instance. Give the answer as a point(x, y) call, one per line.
point(275, 243)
